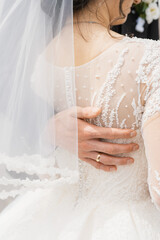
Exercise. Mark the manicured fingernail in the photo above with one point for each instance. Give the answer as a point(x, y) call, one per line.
point(112, 169)
point(96, 110)
point(130, 161)
point(136, 147)
point(133, 134)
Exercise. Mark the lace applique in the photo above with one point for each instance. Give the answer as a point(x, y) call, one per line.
point(107, 92)
point(29, 164)
point(112, 117)
point(148, 74)
point(69, 89)
point(31, 185)
point(40, 172)
point(117, 107)
point(152, 106)
point(138, 111)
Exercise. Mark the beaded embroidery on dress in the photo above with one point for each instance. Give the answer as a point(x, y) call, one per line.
point(125, 82)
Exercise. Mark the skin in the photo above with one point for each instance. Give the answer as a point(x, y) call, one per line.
point(89, 144)
point(92, 39)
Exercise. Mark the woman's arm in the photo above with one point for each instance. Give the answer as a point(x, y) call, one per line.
point(151, 136)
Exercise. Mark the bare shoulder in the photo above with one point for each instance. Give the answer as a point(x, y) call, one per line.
point(59, 50)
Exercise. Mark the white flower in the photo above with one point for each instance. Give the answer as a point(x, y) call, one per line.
point(150, 1)
point(147, 1)
point(152, 12)
point(140, 25)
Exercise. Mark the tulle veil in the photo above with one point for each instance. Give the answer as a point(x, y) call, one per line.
point(36, 83)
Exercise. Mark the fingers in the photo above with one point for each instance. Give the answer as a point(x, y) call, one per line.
point(91, 131)
point(113, 133)
point(100, 132)
point(106, 147)
point(87, 112)
point(99, 165)
point(110, 160)
point(114, 148)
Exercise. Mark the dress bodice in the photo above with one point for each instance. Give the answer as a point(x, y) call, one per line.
point(124, 81)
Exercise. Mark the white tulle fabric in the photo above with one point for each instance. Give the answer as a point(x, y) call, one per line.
point(27, 143)
point(125, 81)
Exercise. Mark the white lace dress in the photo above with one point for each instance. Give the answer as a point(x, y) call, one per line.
point(125, 81)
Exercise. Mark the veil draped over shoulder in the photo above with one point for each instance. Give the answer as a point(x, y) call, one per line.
point(36, 45)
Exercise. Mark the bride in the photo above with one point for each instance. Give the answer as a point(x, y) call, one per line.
point(52, 191)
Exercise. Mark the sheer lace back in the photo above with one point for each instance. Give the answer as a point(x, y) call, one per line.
point(125, 82)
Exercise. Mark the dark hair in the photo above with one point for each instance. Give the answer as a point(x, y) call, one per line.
point(78, 6)
point(48, 6)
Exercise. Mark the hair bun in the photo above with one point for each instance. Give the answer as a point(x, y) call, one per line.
point(79, 4)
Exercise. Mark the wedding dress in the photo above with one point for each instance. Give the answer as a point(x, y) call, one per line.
point(124, 81)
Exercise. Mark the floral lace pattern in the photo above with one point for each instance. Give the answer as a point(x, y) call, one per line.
point(40, 173)
point(113, 82)
point(107, 92)
point(152, 106)
point(124, 82)
point(122, 108)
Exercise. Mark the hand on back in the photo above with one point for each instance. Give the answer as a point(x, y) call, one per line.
point(89, 139)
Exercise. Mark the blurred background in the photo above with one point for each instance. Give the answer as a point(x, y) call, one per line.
point(143, 21)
